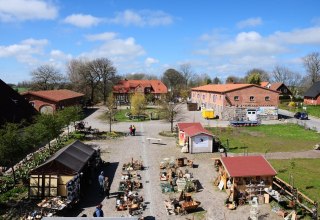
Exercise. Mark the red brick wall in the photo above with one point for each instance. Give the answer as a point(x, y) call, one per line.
point(312, 101)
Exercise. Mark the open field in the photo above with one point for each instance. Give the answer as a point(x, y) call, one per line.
point(305, 174)
point(267, 138)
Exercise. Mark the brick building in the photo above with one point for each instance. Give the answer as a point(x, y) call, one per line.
point(49, 101)
point(125, 88)
point(277, 86)
point(231, 101)
point(312, 96)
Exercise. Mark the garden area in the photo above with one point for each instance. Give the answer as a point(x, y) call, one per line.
point(267, 138)
point(305, 173)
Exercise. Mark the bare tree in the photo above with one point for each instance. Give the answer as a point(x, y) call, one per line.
point(172, 111)
point(186, 71)
point(291, 79)
point(46, 77)
point(111, 110)
point(312, 65)
point(78, 82)
point(105, 71)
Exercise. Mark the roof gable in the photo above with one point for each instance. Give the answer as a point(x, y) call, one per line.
point(192, 129)
point(126, 85)
point(313, 91)
point(246, 166)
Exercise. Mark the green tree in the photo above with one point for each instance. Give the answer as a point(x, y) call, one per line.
point(138, 104)
point(70, 115)
point(254, 78)
point(53, 125)
point(111, 109)
point(11, 146)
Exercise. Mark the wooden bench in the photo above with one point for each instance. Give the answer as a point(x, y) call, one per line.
point(154, 139)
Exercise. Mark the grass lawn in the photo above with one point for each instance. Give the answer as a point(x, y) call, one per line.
point(267, 138)
point(121, 115)
point(305, 173)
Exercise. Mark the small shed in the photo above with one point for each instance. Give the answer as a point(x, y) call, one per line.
point(195, 138)
point(245, 175)
point(62, 174)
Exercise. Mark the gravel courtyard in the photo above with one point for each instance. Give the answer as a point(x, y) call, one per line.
point(119, 151)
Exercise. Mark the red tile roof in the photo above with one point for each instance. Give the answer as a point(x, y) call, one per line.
point(245, 166)
point(124, 86)
point(264, 84)
point(55, 95)
point(275, 86)
point(192, 129)
point(221, 87)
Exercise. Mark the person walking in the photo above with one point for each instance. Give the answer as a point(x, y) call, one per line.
point(133, 130)
point(106, 187)
point(101, 182)
point(130, 129)
point(98, 212)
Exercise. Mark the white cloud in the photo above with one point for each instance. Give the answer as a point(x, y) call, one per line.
point(299, 36)
point(82, 21)
point(101, 37)
point(141, 18)
point(117, 49)
point(251, 22)
point(25, 51)
point(149, 61)
point(21, 10)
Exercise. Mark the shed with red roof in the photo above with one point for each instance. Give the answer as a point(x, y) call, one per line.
point(195, 138)
point(245, 175)
point(48, 101)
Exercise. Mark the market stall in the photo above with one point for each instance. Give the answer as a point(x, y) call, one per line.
point(61, 176)
point(244, 177)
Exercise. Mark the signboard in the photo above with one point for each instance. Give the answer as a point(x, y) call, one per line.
point(201, 141)
point(181, 138)
point(267, 111)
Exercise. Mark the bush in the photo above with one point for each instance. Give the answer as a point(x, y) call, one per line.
point(292, 104)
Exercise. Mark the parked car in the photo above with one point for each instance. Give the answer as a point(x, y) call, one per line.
point(301, 115)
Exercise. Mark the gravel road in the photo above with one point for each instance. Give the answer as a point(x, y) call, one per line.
point(119, 151)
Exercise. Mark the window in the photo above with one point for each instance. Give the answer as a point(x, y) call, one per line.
point(267, 98)
point(214, 97)
point(203, 96)
point(251, 98)
point(198, 96)
point(236, 98)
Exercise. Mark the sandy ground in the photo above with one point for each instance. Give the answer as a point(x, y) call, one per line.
point(120, 151)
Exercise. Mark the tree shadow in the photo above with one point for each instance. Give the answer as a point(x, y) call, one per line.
point(89, 111)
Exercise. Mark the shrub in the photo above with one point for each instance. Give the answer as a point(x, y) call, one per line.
point(292, 104)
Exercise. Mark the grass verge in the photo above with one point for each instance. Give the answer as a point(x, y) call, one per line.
point(267, 138)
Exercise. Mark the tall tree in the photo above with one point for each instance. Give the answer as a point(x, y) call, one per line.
point(216, 80)
point(233, 79)
point(186, 72)
point(11, 147)
point(173, 79)
point(46, 77)
point(312, 64)
point(111, 109)
point(256, 76)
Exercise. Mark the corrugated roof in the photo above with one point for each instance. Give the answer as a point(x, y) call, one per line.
point(55, 95)
point(246, 166)
point(70, 159)
point(192, 129)
point(313, 91)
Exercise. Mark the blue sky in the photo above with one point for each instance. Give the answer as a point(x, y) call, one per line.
point(219, 38)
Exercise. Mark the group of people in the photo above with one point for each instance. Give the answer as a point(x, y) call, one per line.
point(132, 130)
point(104, 185)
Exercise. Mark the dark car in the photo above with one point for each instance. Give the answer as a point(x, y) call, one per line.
point(301, 115)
